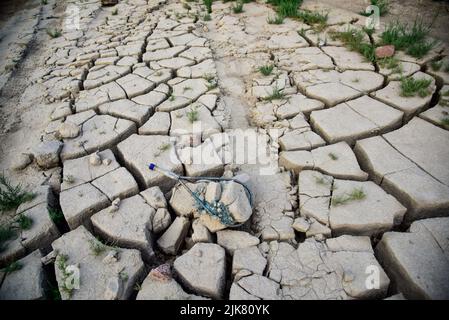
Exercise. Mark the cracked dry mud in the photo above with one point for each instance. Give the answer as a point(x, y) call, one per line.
point(357, 178)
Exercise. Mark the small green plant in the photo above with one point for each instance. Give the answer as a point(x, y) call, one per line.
point(61, 264)
point(445, 122)
point(115, 12)
point(411, 87)
point(208, 4)
point(411, 39)
point(56, 215)
point(311, 17)
point(369, 30)
point(54, 33)
point(6, 233)
point(276, 94)
point(212, 84)
point(12, 196)
point(70, 179)
point(207, 17)
point(52, 292)
point(322, 181)
point(186, 89)
point(333, 156)
point(162, 148)
point(443, 103)
point(24, 222)
point(238, 8)
point(137, 287)
point(278, 19)
point(96, 247)
point(123, 276)
point(436, 65)
point(389, 62)
point(186, 6)
point(266, 69)
point(193, 115)
point(44, 2)
point(383, 6)
point(15, 266)
point(445, 93)
point(286, 8)
point(354, 40)
point(356, 194)
point(420, 49)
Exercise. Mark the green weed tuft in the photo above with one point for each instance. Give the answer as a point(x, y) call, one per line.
point(238, 8)
point(266, 69)
point(11, 196)
point(193, 115)
point(356, 194)
point(409, 39)
point(411, 87)
point(15, 266)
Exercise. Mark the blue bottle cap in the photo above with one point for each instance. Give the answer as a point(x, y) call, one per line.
point(152, 166)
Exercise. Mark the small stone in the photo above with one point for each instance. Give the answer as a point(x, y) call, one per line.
point(22, 161)
point(154, 197)
point(161, 273)
point(200, 232)
point(114, 206)
point(161, 220)
point(106, 162)
point(95, 159)
point(111, 257)
point(172, 239)
point(385, 51)
point(301, 225)
point(68, 130)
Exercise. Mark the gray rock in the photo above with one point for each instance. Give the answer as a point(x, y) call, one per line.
point(129, 226)
point(98, 280)
point(154, 197)
point(418, 260)
point(117, 184)
point(422, 194)
point(47, 154)
point(232, 240)
point(161, 220)
point(257, 286)
point(139, 151)
point(68, 130)
point(80, 203)
point(27, 283)
point(313, 272)
point(202, 269)
point(200, 232)
point(248, 258)
point(301, 225)
point(153, 288)
point(172, 239)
